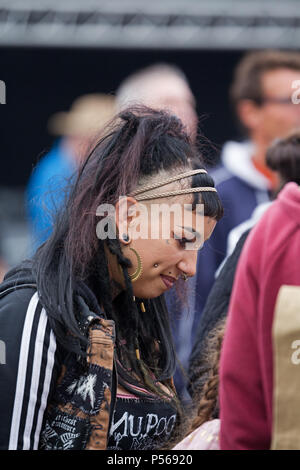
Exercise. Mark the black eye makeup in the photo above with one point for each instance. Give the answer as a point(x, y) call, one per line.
point(183, 240)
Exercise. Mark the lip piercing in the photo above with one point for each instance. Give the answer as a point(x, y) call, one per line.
point(156, 265)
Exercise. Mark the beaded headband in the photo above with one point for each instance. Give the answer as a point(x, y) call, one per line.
point(171, 193)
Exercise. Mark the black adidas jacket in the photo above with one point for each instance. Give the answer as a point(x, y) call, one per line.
point(30, 358)
point(29, 362)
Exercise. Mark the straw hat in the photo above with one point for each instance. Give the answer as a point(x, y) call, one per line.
point(88, 114)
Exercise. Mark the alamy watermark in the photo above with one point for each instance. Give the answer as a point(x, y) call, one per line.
point(153, 221)
point(295, 357)
point(2, 352)
point(2, 92)
point(296, 94)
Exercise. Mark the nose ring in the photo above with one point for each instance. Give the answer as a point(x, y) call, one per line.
point(184, 276)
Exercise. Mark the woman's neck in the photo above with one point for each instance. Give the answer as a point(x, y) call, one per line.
point(116, 288)
point(114, 273)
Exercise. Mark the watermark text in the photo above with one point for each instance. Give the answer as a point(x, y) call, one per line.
point(296, 94)
point(2, 352)
point(2, 92)
point(152, 222)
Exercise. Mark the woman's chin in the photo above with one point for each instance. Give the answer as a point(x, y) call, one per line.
point(146, 294)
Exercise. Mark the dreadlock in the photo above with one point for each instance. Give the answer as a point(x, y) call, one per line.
point(208, 402)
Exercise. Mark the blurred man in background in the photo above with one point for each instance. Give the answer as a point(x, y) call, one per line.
point(48, 184)
point(261, 95)
point(160, 86)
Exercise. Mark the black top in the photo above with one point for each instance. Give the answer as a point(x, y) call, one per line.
point(140, 423)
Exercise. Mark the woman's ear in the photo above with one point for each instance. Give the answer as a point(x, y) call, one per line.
point(125, 214)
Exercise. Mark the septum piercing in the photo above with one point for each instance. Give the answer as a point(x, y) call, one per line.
point(183, 276)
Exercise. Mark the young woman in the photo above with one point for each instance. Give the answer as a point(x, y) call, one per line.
point(89, 355)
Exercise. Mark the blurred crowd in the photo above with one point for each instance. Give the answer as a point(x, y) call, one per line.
point(229, 332)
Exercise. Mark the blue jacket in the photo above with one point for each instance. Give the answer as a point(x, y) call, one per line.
point(46, 191)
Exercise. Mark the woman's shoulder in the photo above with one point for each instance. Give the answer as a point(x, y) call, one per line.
point(17, 290)
point(15, 303)
point(24, 322)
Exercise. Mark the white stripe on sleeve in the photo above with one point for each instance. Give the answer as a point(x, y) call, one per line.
point(22, 369)
point(47, 382)
point(36, 369)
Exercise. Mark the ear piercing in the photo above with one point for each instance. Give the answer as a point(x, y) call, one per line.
point(125, 237)
point(134, 277)
point(138, 272)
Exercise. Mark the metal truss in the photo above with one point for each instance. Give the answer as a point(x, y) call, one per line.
point(151, 24)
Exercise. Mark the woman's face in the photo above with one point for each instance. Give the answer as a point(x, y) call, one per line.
point(167, 245)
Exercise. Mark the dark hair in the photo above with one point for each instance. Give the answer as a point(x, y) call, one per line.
point(247, 82)
point(283, 156)
point(139, 142)
point(205, 403)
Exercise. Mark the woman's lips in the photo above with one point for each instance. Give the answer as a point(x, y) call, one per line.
point(168, 281)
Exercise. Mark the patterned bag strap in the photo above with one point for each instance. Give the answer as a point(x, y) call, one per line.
point(101, 356)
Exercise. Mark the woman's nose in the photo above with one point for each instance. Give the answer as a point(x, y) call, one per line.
point(188, 262)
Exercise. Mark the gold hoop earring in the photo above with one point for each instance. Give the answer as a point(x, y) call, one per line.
point(134, 277)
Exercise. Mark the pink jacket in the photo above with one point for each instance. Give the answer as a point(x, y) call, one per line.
point(270, 258)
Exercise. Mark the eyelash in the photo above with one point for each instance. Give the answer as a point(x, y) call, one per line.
point(182, 241)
